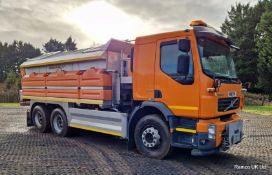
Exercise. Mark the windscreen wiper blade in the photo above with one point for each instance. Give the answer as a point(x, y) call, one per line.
point(227, 78)
point(222, 77)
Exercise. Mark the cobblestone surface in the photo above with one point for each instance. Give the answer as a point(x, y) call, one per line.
point(25, 151)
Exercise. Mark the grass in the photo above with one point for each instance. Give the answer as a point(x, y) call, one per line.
point(9, 104)
point(262, 110)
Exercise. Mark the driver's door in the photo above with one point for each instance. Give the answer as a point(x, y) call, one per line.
point(181, 98)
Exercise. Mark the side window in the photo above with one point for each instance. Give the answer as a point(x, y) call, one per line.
point(172, 61)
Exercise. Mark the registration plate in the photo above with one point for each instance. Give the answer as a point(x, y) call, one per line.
point(232, 94)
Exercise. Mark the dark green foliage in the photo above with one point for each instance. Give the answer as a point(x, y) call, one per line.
point(264, 44)
point(240, 27)
point(70, 44)
point(53, 45)
point(13, 55)
point(13, 81)
point(250, 28)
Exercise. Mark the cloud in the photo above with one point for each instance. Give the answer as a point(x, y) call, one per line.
point(178, 13)
point(35, 21)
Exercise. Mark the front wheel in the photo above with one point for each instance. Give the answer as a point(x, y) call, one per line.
point(59, 123)
point(152, 137)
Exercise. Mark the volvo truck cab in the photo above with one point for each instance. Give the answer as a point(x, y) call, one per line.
point(192, 74)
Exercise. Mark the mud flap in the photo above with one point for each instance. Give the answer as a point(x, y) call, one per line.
point(29, 121)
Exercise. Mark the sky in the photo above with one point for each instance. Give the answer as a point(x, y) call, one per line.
point(96, 21)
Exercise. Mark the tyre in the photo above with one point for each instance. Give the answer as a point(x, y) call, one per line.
point(152, 137)
point(40, 116)
point(59, 123)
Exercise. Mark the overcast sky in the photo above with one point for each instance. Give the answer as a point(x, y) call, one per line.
point(89, 21)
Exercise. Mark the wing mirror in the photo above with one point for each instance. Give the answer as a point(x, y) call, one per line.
point(184, 45)
point(183, 68)
point(183, 65)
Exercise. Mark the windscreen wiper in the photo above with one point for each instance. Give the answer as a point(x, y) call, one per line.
point(223, 77)
point(227, 78)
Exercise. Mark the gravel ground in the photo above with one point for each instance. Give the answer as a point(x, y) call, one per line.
point(25, 151)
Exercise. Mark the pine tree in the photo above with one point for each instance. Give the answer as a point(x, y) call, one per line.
point(240, 27)
point(53, 45)
point(13, 55)
point(264, 44)
point(70, 44)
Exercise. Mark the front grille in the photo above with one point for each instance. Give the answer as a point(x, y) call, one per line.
point(224, 103)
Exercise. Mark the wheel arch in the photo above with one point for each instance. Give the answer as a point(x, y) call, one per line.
point(50, 107)
point(146, 108)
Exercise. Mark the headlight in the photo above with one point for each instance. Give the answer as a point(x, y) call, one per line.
point(211, 131)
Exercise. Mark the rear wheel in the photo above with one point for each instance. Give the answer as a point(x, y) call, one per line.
point(59, 123)
point(40, 117)
point(152, 137)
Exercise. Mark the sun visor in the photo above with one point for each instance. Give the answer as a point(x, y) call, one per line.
point(210, 32)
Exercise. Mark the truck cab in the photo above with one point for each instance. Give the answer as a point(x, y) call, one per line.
point(192, 74)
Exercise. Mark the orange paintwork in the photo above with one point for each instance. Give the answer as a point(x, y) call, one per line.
point(34, 92)
point(202, 126)
point(191, 101)
point(209, 101)
point(95, 77)
point(143, 71)
point(96, 94)
point(183, 100)
point(34, 79)
point(148, 76)
point(63, 78)
point(63, 93)
point(67, 84)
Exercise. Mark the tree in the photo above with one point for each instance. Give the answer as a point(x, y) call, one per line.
point(240, 27)
point(12, 81)
point(53, 45)
point(70, 44)
point(24, 51)
point(13, 55)
point(264, 44)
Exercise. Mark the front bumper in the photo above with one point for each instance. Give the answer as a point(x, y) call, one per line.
point(228, 131)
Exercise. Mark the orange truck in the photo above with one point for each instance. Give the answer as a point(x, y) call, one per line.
point(175, 89)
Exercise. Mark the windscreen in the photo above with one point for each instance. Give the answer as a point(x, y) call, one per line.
point(216, 59)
